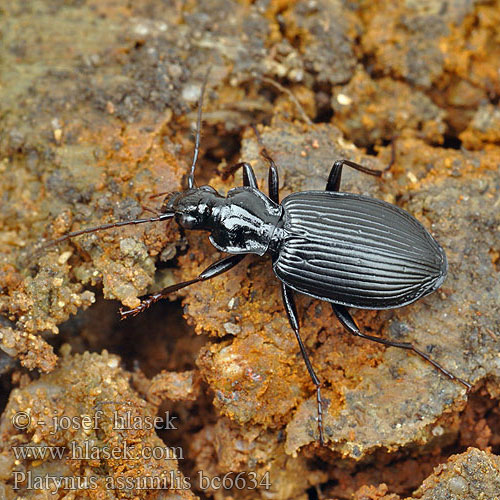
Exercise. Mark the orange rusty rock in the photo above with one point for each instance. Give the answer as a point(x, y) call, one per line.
point(471, 474)
point(382, 109)
point(374, 493)
point(87, 410)
point(90, 144)
point(173, 386)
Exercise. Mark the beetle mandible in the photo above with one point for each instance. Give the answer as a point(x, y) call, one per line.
point(347, 249)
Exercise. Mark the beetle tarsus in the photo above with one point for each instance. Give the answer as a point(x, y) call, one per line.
point(349, 324)
point(135, 311)
point(218, 267)
point(320, 415)
point(293, 318)
point(392, 161)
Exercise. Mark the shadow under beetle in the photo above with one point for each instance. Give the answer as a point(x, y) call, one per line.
point(347, 249)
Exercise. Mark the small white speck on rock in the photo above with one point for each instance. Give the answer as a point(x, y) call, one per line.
point(458, 485)
point(113, 362)
point(231, 328)
point(191, 92)
point(438, 431)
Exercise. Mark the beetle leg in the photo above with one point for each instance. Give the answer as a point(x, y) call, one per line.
point(273, 183)
point(348, 323)
point(219, 267)
point(273, 179)
point(333, 183)
point(291, 311)
point(249, 178)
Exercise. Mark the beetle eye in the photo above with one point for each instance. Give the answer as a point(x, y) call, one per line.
point(186, 221)
point(210, 189)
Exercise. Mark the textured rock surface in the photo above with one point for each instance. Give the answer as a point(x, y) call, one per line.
point(83, 425)
point(97, 102)
point(474, 474)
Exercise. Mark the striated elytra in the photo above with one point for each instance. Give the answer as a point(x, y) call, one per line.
point(356, 251)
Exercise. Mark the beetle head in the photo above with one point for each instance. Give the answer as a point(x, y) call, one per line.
point(193, 208)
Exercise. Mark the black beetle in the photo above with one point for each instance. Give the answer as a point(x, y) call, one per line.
point(347, 249)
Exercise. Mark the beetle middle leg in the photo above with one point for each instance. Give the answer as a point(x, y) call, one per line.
point(219, 267)
point(349, 324)
point(291, 311)
point(333, 183)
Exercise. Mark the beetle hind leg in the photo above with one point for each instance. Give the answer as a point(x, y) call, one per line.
point(349, 324)
point(291, 310)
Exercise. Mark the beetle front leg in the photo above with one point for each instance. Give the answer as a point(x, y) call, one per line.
point(273, 179)
point(219, 267)
point(273, 182)
point(249, 178)
point(348, 323)
point(291, 310)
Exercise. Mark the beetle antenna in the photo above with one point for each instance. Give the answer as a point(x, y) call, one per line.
point(198, 131)
point(160, 217)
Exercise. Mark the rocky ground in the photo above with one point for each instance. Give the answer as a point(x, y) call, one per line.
point(98, 102)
